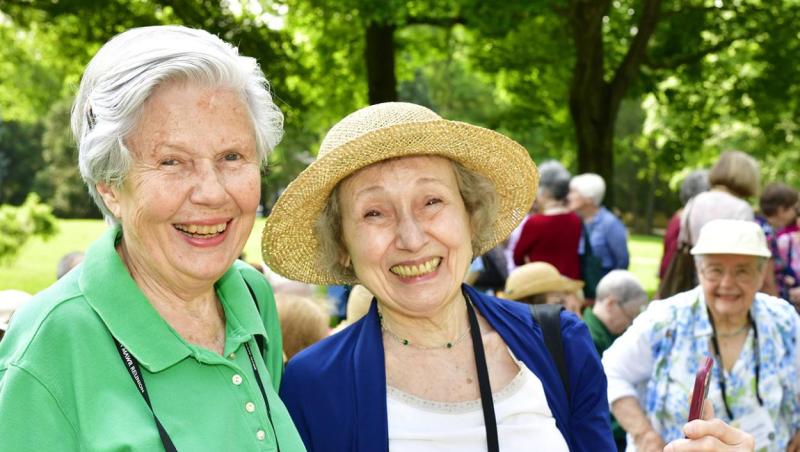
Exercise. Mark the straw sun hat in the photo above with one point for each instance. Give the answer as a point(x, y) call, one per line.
point(535, 278)
point(380, 132)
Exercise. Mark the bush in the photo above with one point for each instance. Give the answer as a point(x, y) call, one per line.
point(18, 224)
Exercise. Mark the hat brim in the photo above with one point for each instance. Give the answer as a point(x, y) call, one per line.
point(535, 287)
point(289, 244)
point(703, 250)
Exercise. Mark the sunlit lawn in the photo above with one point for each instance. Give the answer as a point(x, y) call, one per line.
point(35, 266)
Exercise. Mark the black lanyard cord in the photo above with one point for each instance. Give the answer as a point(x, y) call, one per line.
point(489, 419)
point(718, 358)
point(136, 375)
point(263, 393)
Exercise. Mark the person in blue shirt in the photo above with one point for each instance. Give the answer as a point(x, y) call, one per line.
point(401, 200)
point(607, 234)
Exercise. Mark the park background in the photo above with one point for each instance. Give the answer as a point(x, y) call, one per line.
point(639, 91)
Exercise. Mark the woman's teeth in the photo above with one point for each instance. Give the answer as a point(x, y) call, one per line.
point(417, 270)
point(201, 231)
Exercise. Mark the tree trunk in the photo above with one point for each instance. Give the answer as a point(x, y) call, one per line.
point(589, 97)
point(379, 55)
point(593, 102)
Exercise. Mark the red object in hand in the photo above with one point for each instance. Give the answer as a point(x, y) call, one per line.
point(700, 392)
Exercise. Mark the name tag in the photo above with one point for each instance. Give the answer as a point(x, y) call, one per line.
point(759, 424)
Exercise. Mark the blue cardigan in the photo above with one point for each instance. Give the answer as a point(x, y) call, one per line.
point(335, 390)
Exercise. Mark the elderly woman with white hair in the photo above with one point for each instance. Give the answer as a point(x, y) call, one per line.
point(752, 338)
point(608, 237)
point(160, 339)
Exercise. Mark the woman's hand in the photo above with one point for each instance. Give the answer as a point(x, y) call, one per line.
point(711, 434)
point(794, 295)
point(648, 441)
point(794, 444)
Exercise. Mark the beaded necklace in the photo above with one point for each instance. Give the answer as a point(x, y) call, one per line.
point(405, 341)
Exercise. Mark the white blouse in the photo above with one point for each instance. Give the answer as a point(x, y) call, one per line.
point(524, 421)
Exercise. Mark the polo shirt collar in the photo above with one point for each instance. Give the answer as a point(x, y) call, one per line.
point(242, 319)
point(113, 294)
point(597, 327)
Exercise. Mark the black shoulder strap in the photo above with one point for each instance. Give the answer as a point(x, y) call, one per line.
point(587, 242)
point(258, 337)
point(548, 316)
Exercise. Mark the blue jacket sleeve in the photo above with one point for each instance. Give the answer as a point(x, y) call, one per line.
point(589, 420)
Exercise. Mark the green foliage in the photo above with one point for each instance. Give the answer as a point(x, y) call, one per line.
point(20, 159)
point(59, 182)
point(18, 224)
point(715, 75)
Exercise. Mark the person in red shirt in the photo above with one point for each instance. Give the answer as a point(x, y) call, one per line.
point(552, 235)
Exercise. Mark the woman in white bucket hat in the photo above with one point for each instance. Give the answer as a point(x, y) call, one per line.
point(752, 338)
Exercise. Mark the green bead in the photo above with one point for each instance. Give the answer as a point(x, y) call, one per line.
point(405, 341)
point(449, 345)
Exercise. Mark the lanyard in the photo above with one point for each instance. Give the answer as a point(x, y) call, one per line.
point(718, 358)
point(136, 375)
point(489, 419)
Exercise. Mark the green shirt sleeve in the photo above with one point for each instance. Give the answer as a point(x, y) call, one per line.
point(30, 417)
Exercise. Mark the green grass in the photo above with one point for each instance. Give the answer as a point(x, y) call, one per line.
point(645, 251)
point(35, 266)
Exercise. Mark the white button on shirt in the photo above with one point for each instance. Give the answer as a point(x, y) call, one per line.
point(261, 435)
point(237, 379)
point(249, 407)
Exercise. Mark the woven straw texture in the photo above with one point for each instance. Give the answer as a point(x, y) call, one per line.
point(538, 277)
point(378, 133)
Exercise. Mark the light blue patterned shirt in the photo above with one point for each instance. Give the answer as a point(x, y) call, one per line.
point(657, 358)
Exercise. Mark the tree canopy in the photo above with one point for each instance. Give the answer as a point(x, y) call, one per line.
point(639, 91)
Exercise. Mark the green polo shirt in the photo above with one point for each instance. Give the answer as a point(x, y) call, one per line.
point(602, 339)
point(63, 385)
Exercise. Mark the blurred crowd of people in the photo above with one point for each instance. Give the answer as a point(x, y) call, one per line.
point(413, 295)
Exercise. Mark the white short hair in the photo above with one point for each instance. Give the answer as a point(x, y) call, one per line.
point(589, 185)
point(623, 286)
point(126, 70)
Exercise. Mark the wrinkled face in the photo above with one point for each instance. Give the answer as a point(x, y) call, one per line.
point(407, 233)
point(730, 283)
point(188, 203)
point(623, 314)
point(577, 202)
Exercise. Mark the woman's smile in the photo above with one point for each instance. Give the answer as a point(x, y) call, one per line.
point(413, 271)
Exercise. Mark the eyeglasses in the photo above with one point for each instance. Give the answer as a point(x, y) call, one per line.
point(742, 275)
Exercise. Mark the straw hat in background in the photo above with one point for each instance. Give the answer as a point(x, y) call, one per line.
point(535, 278)
point(380, 132)
point(724, 236)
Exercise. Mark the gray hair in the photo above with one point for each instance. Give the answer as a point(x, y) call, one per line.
point(126, 70)
point(693, 184)
point(68, 262)
point(589, 185)
point(555, 179)
point(623, 286)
